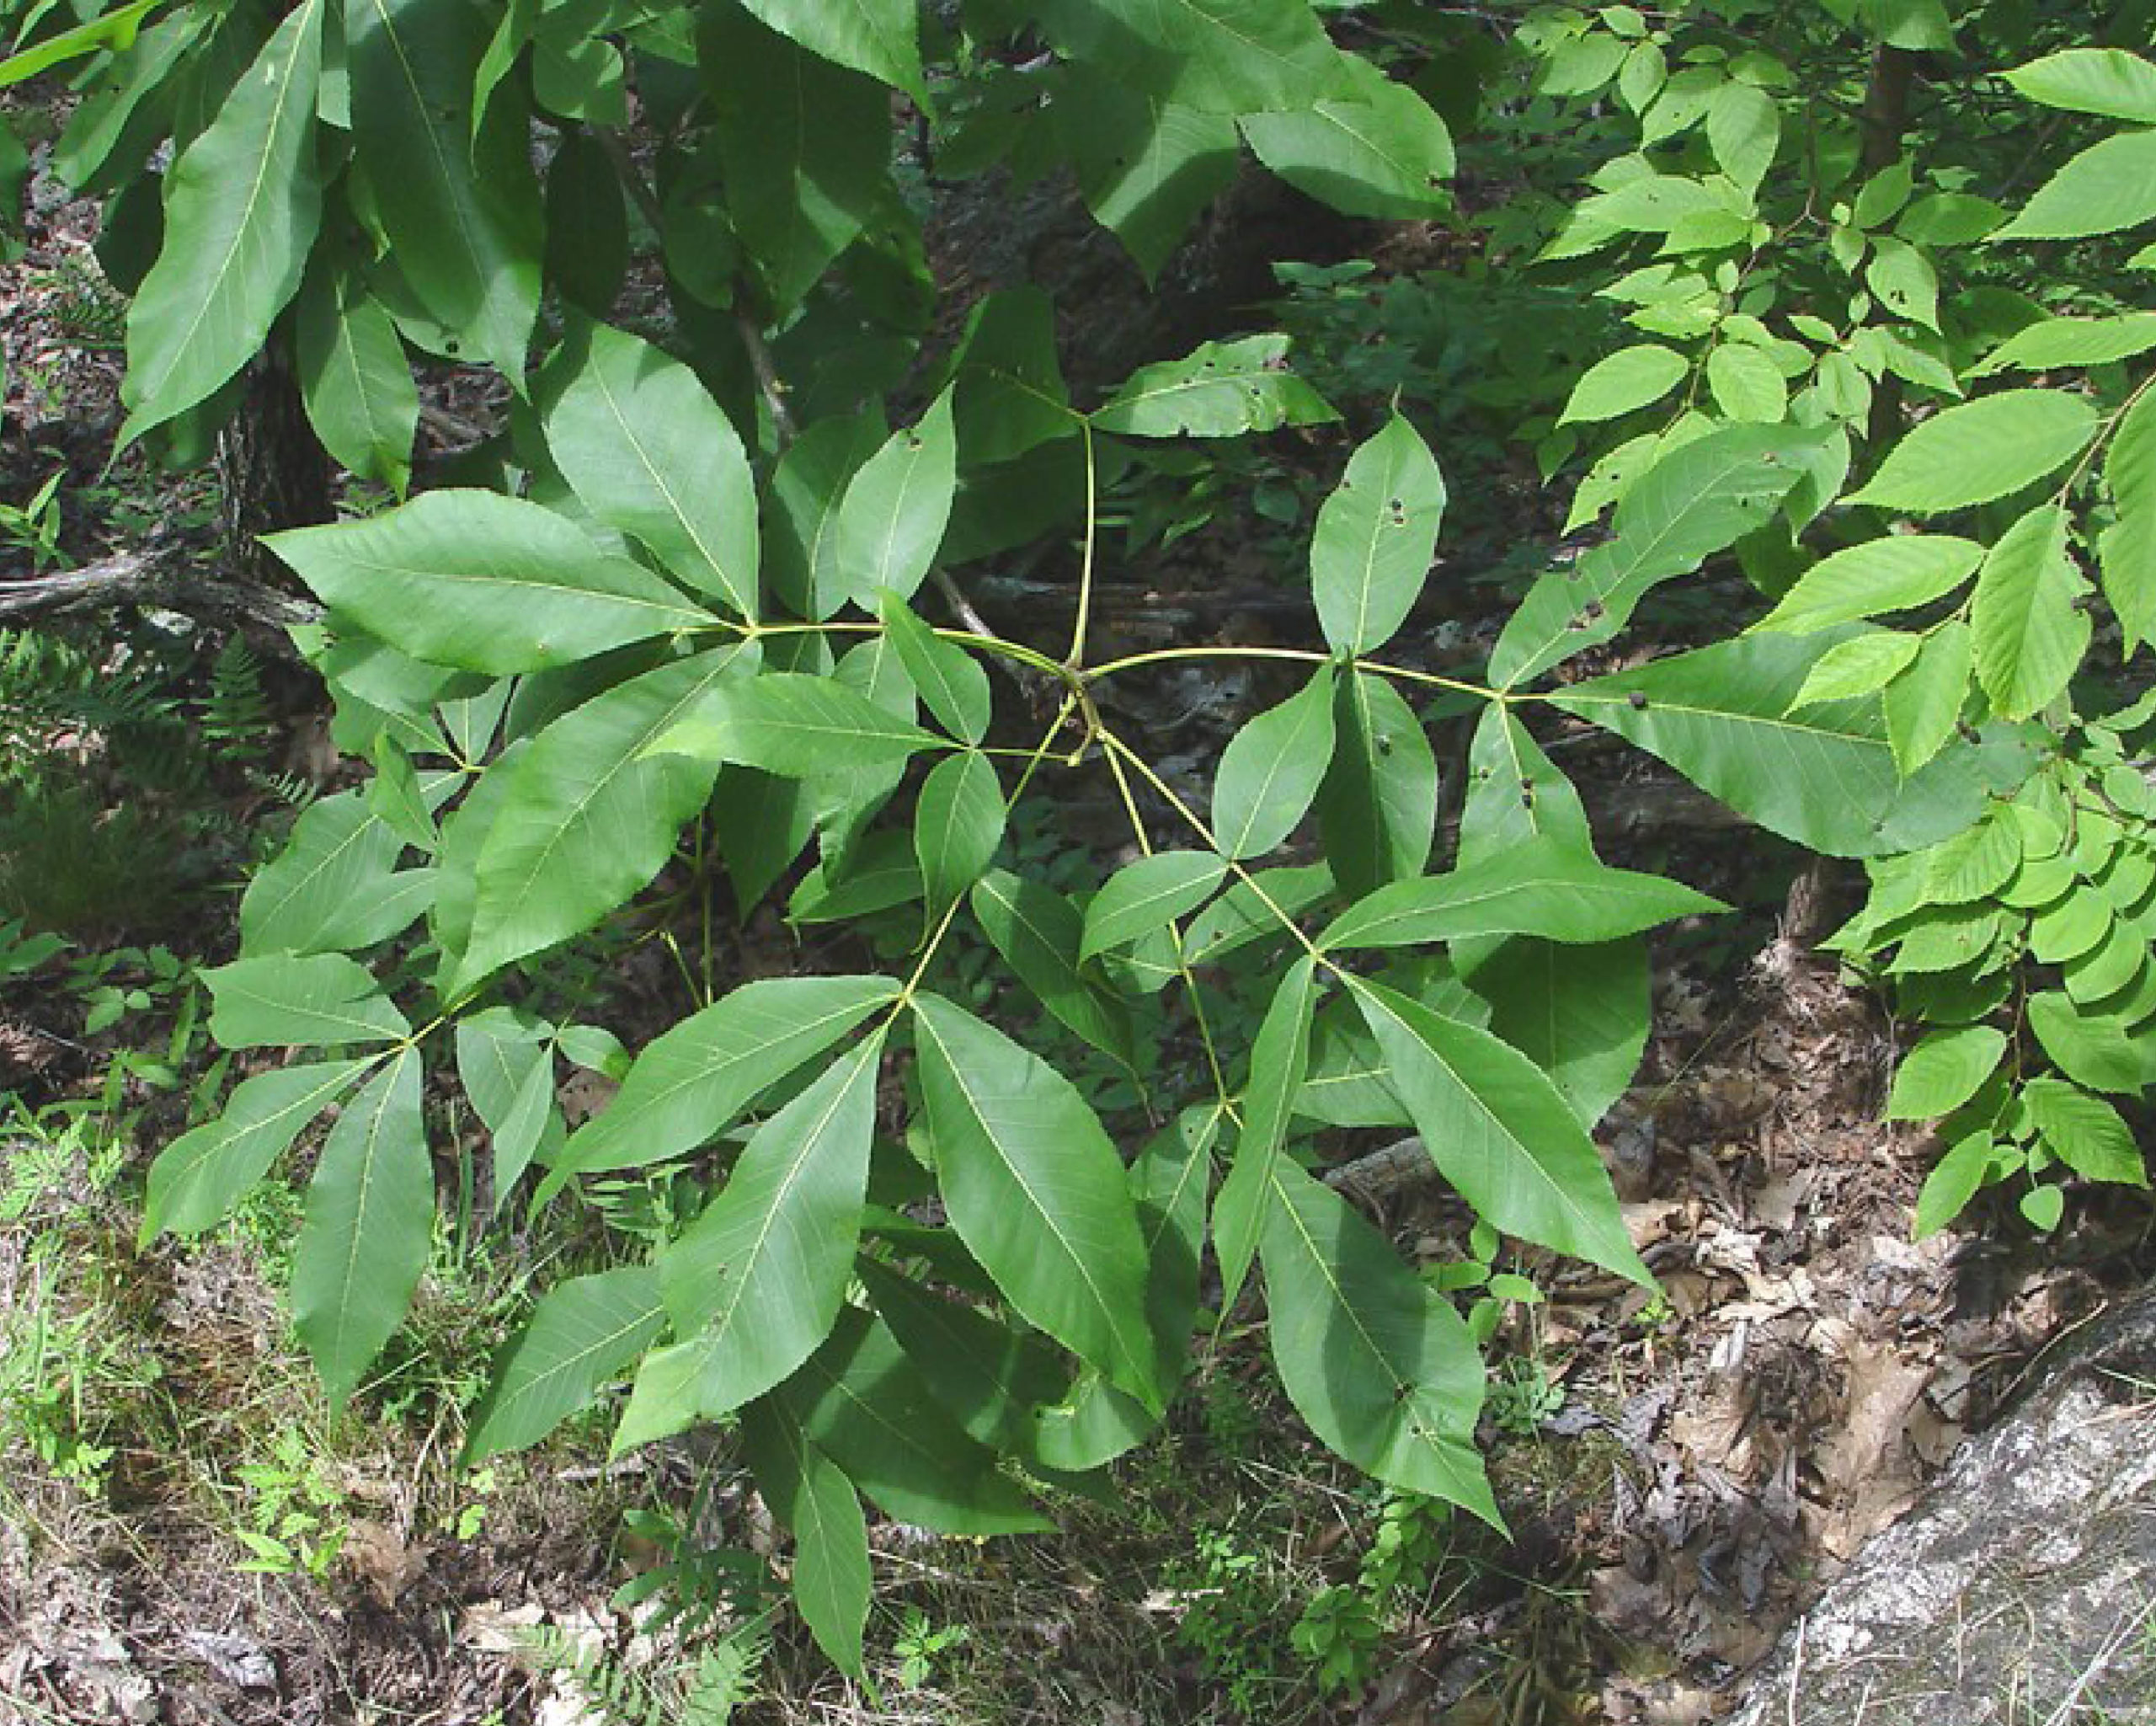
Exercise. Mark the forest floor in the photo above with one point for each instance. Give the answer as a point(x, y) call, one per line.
point(186, 1535)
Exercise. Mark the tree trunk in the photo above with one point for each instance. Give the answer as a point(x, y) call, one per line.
point(271, 470)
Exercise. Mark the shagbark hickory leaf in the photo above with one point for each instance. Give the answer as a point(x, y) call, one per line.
point(1375, 535)
point(460, 210)
point(482, 583)
point(2025, 621)
point(1222, 389)
point(1279, 1060)
point(197, 1179)
point(1270, 771)
point(1034, 1187)
point(1251, 911)
point(1227, 56)
point(581, 1335)
point(693, 1082)
point(650, 454)
point(1579, 1013)
point(1378, 807)
point(1515, 792)
point(1382, 153)
point(242, 207)
point(809, 1493)
point(797, 725)
point(290, 1000)
point(802, 508)
point(1147, 166)
point(1981, 450)
point(1694, 502)
point(1543, 887)
point(1377, 1361)
point(1038, 933)
point(1149, 895)
point(896, 507)
point(958, 826)
point(366, 1230)
point(335, 886)
point(881, 38)
point(588, 815)
point(505, 1059)
point(1009, 396)
point(1501, 1132)
point(355, 381)
point(947, 678)
point(2108, 187)
point(753, 1286)
point(2126, 551)
point(990, 1375)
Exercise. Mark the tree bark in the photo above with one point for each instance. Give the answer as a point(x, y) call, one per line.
point(272, 471)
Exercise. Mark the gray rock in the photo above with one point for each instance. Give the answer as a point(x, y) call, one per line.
point(2022, 1590)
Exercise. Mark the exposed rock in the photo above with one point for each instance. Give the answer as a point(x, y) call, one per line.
point(2023, 1588)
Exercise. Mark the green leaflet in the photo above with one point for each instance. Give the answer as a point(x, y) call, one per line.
point(1923, 704)
point(2106, 81)
point(949, 680)
point(881, 38)
point(1226, 57)
point(1825, 777)
point(693, 1082)
point(1149, 895)
point(1382, 153)
point(1895, 573)
point(484, 583)
point(1146, 166)
point(367, 1229)
point(1223, 389)
point(809, 1494)
point(290, 1000)
point(2110, 186)
point(1501, 1132)
point(958, 826)
point(861, 1401)
point(505, 1058)
point(242, 207)
point(1377, 1361)
point(1036, 1190)
point(1543, 887)
point(1270, 771)
point(1691, 504)
point(198, 1178)
point(335, 886)
point(1279, 1058)
point(1251, 911)
point(2025, 621)
point(356, 384)
point(1624, 382)
point(1008, 396)
point(1515, 793)
point(804, 145)
point(1376, 535)
point(1579, 1013)
point(1943, 1071)
point(581, 1333)
point(1378, 806)
point(1981, 450)
point(461, 211)
point(2051, 343)
point(2087, 1134)
point(753, 1285)
point(587, 816)
point(650, 454)
point(892, 518)
point(791, 723)
point(2128, 548)
point(990, 1375)
point(1038, 931)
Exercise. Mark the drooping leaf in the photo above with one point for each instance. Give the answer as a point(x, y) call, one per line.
point(1279, 1060)
point(1223, 389)
point(950, 681)
point(1375, 536)
point(1146, 166)
point(693, 1082)
point(2128, 548)
point(794, 725)
point(1579, 1013)
point(753, 1286)
point(197, 1179)
point(809, 1494)
point(482, 583)
point(1271, 770)
point(1501, 1132)
point(1382, 153)
point(335, 886)
point(1378, 807)
point(881, 38)
point(896, 507)
point(651, 455)
point(581, 1333)
point(1825, 777)
point(1691, 504)
point(588, 817)
point(1038, 934)
point(1149, 895)
point(366, 1230)
point(1895, 573)
point(1543, 887)
point(355, 383)
point(1981, 450)
point(2109, 186)
point(460, 210)
point(1036, 1190)
point(1376, 1360)
point(2028, 628)
point(242, 207)
point(289, 1002)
